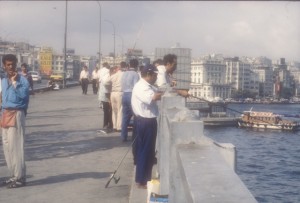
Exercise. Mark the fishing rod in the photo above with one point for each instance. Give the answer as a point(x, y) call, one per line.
point(258, 119)
point(112, 176)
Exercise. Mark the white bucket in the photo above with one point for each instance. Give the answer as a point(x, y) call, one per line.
point(152, 186)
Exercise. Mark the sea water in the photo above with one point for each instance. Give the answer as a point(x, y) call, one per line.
point(268, 161)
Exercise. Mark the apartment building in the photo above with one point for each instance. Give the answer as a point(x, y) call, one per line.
point(238, 74)
point(208, 78)
point(266, 81)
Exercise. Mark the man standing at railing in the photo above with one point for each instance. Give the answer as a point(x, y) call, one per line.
point(143, 100)
point(165, 79)
point(129, 79)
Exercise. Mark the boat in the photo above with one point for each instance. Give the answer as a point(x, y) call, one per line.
point(266, 120)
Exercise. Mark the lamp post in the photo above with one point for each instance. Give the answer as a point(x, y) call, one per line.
point(65, 46)
point(122, 45)
point(99, 35)
point(114, 40)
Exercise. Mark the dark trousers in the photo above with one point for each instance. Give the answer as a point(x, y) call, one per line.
point(95, 86)
point(146, 129)
point(134, 140)
point(107, 120)
point(126, 114)
point(84, 85)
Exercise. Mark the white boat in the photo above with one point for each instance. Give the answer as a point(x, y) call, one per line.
point(266, 120)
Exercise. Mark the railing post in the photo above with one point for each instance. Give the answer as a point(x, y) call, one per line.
point(163, 141)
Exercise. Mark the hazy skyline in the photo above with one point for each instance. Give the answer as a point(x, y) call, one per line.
point(238, 28)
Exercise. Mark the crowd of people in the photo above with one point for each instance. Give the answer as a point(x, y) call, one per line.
point(128, 95)
point(128, 92)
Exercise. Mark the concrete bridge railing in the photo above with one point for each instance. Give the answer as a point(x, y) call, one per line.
point(191, 166)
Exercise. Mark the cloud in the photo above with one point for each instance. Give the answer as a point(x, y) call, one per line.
point(232, 28)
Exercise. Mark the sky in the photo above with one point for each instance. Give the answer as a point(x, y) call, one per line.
point(231, 28)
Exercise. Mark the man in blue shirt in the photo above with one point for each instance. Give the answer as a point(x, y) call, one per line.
point(129, 78)
point(15, 99)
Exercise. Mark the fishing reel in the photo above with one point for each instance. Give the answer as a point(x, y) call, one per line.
point(112, 177)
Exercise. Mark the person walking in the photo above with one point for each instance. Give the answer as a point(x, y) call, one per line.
point(104, 97)
point(95, 80)
point(84, 79)
point(143, 101)
point(116, 98)
point(15, 99)
point(129, 79)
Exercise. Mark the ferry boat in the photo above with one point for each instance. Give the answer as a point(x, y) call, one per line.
point(266, 120)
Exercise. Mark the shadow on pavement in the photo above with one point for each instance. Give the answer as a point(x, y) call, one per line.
point(60, 144)
point(68, 177)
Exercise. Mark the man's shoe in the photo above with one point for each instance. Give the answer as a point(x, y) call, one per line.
point(16, 184)
point(104, 131)
point(8, 181)
point(109, 130)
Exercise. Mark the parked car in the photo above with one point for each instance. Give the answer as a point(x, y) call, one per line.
point(35, 76)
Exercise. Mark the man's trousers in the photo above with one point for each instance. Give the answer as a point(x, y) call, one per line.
point(13, 147)
point(146, 130)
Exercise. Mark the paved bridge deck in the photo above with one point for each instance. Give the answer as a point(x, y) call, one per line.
point(67, 160)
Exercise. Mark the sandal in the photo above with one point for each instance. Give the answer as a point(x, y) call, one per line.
point(16, 184)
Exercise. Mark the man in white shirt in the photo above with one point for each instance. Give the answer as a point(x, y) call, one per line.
point(95, 80)
point(164, 77)
point(84, 79)
point(104, 97)
point(166, 69)
point(143, 101)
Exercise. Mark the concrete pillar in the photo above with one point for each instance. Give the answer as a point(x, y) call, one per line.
point(167, 102)
point(228, 151)
point(182, 132)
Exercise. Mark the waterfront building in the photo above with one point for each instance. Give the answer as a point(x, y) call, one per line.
point(208, 78)
point(284, 81)
point(238, 74)
point(265, 78)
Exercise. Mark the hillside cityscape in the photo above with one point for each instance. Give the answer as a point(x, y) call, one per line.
point(212, 76)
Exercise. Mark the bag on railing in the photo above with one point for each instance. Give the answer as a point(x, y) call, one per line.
point(8, 118)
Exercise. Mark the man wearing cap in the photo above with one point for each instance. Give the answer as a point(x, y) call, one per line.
point(143, 101)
